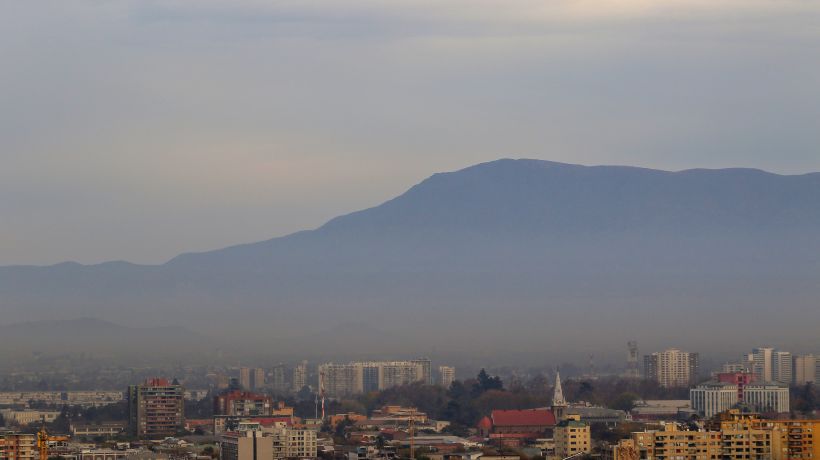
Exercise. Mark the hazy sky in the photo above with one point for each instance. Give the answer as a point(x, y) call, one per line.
point(139, 130)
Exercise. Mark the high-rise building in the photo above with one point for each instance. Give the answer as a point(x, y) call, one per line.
point(358, 377)
point(258, 378)
point(156, 408)
point(782, 367)
point(762, 360)
point(398, 373)
point(672, 368)
point(446, 376)
point(341, 379)
point(632, 354)
point(300, 376)
point(733, 368)
point(245, 378)
point(278, 382)
point(805, 369)
point(426, 370)
point(370, 378)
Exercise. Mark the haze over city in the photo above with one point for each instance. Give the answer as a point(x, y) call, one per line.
point(409, 230)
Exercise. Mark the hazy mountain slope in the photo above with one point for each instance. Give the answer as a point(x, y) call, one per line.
point(512, 254)
point(97, 337)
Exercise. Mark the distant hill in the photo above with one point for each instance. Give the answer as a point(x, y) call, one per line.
point(502, 257)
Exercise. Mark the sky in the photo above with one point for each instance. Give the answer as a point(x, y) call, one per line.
point(144, 129)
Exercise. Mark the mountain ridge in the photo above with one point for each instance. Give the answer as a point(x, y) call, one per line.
point(593, 247)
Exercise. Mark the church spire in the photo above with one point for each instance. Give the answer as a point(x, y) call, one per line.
point(559, 404)
point(558, 395)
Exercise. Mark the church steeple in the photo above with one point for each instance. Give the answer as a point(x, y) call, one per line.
point(558, 401)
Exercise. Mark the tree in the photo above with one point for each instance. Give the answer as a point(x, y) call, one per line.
point(625, 401)
point(486, 383)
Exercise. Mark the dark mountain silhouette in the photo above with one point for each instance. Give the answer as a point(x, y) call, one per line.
point(502, 257)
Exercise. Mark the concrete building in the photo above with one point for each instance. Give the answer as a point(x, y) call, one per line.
point(278, 382)
point(713, 398)
point(446, 376)
point(28, 416)
point(782, 367)
point(337, 380)
point(793, 439)
point(805, 369)
point(732, 436)
point(572, 437)
point(398, 373)
point(105, 430)
point(299, 376)
point(18, 446)
point(732, 368)
point(741, 379)
point(248, 445)
point(258, 378)
point(767, 397)
point(245, 378)
point(75, 398)
point(662, 409)
point(426, 370)
point(672, 368)
point(156, 408)
point(761, 360)
point(710, 399)
point(273, 444)
point(242, 404)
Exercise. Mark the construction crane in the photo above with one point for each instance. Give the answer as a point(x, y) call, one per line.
point(43, 438)
point(411, 431)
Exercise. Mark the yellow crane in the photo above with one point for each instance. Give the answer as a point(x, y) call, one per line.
point(43, 438)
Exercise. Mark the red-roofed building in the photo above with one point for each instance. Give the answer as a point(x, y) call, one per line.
point(517, 424)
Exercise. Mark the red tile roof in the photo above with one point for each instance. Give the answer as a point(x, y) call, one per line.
point(527, 417)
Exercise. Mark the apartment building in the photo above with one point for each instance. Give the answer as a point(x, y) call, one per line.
point(674, 442)
point(782, 367)
point(300, 372)
point(156, 408)
point(446, 376)
point(273, 444)
point(18, 446)
point(732, 436)
point(336, 380)
point(672, 368)
point(761, 363)
point(572, 437)
point(242, 403)
point(805, 369)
